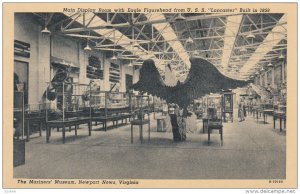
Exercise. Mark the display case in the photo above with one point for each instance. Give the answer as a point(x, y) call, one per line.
point(159, 106)
point(198, 107)
point(140, 107)
point(70, 108)
point(212, 109)
point(212, 101)
point(35, 118)
point(117, 100)
point(110, 107)
point(280, 113)
point(227, 105)
point(106, 99)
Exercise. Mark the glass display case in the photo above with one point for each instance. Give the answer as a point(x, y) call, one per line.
point(227, 105)
point(108, 106)
point(198, 107)
point(110, 100)
point(212, 109)
point(71, 107)
point(213, 101)
point(35, 117)
point(159, 106)
point(117, 100)
point(140, 106)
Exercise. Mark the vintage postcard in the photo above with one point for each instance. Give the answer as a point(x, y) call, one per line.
point(150, 95)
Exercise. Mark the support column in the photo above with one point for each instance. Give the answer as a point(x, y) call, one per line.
point(273, 85)
point(135, 76)
point(44, 44)
point(260, 79)
point(106, 65)
point(282, 72)
point(266, 78)
point(122, 77)
point(83, 62)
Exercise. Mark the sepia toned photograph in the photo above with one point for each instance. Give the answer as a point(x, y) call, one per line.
point(115, 95)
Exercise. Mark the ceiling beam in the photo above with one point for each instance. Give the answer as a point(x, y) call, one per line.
point(114, 35)
point(154, 21)
point(231, 32)
point(168, 34)
point(273, 39)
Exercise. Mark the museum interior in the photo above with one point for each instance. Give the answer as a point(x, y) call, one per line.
point(149, 95)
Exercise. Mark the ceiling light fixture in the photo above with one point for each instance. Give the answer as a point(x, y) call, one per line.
point(195, 54)
point(281, 55)
point(135, 44)
point(130, 64)
point(87, 48)
point(243, 49)
point(189, 40)
point(109, 25)
point(270, 64)
point(250, 34)
point(46, 31)
point(180, 18)
point(114, 58)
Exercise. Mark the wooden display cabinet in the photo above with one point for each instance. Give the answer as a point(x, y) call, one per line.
point(227, 104)
point(212, 106)
point(198, 107)
point(140, 106)
point(110, 107)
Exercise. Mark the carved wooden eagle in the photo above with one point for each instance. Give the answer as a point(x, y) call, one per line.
point(203, 78)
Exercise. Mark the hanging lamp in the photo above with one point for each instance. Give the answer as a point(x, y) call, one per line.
point(179, 18)
point(46, 31)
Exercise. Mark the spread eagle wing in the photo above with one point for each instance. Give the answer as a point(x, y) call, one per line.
point(203, 78)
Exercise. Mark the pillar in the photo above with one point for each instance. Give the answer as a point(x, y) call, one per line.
point(135, 76)
point(106, 65)
point(44, 44)
point(282, 72)
point(266, 78)
point(83, 60)
point(122, 77)
point(273, 84)
point(260, 79)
